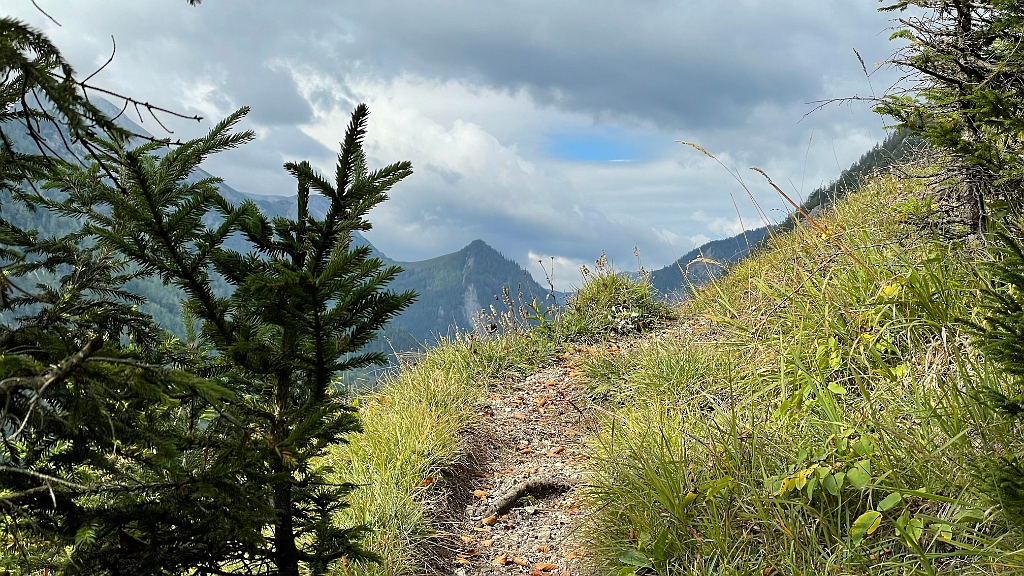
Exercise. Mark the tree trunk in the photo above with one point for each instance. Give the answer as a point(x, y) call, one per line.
point(286, 555)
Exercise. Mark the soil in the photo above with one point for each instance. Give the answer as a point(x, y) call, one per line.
point(515, 508)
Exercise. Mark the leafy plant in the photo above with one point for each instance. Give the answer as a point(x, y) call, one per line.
point(611, 302)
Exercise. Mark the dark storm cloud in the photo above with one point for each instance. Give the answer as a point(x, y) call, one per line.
point(674, 64)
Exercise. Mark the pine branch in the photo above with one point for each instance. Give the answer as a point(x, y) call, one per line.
point(54, 375)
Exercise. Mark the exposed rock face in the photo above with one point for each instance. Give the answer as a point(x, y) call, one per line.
point(470, 305)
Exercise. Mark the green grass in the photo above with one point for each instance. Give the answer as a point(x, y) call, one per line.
point(414, 424)
point(812, 414)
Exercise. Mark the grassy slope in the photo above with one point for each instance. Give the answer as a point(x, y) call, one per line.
point(810, 416)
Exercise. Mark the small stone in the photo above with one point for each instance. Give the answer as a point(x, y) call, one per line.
point(530, 509)
point(460, 572)
point(544, 535)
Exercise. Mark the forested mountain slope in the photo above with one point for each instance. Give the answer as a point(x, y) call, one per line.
point(454, 288)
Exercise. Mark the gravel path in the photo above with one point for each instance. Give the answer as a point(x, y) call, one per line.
point(516, 510)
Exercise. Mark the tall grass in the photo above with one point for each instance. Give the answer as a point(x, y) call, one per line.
point(813, 415)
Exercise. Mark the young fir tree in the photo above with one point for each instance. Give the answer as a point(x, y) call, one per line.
point(305, 303)
point(1000, 336)
point(89, 407)
point(965, 96)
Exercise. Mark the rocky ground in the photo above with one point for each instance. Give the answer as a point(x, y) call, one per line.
point(517, 510)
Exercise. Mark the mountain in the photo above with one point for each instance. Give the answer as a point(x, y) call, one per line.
point(716, 255)
point(713, 258)
point(453, 288)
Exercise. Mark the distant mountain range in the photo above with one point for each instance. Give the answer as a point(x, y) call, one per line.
point(704, 263)
point(453, 289)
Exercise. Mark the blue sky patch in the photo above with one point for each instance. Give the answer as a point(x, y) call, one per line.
point(607, 145)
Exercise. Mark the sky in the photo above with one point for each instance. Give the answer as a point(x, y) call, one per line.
point(547, 128)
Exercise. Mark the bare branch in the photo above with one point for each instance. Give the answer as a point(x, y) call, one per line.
point(44, 13)
point(56, 374)
point(105, 64)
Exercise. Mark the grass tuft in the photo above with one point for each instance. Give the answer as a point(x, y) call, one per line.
point(610, 302)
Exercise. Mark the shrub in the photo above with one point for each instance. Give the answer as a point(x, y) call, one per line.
point(609, 301)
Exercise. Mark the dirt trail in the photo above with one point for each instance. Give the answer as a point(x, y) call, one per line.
point(518, 509)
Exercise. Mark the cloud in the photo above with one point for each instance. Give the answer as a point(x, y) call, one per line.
point(468, 183)
point(512, 111)
point(721, 226)
point(563, 273)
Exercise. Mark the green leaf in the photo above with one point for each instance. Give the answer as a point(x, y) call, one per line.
point(860, 474)
point(628, 571)
point(85, 535)
point(864, 525)
point(660, 545)
point(687, 500)
point(830, 485)
point(836, 389)
point(889, 501)
point(811, 483)
point(715, 487)
point(864, 446)
point(970, 516)
point(943, 531)
point(915, 528)
point(632, 557)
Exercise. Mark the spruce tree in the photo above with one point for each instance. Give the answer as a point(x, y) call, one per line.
point(90, 405)
point(963, 94)
point(122, 450)
point(1000, 336)
point(305, 303)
